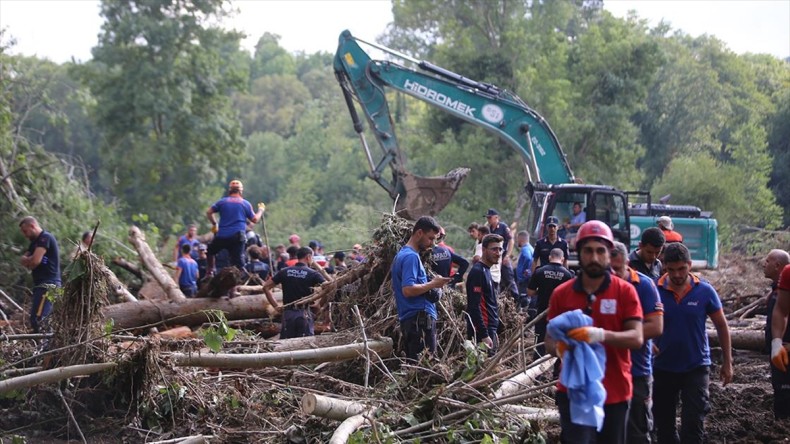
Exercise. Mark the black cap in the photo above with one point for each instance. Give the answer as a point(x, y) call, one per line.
point(552, 220)
point(492, 212)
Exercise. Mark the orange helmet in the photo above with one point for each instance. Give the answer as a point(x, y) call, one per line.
point(595, 229)
point(235, 183)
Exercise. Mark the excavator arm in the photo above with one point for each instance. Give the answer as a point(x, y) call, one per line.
point(364, 80)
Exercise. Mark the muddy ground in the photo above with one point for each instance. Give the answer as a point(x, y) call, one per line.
point(257, 406)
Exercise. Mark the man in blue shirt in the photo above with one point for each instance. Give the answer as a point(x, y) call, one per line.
point(682, 354)
point(234, 212)
point(42, 258)
point(523, 267)
point(640, 416)
point(187, 272)
point(415, 296)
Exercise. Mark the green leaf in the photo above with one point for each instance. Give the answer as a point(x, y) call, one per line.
point(213, 340)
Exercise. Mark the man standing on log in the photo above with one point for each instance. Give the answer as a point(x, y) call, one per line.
point(234, 211)
point(776, 327)
point(415, 296)
point(481, 296)
point(682, 354)
point(640, 415)
point(42, 258)
point(297, 282)
point(616, 316)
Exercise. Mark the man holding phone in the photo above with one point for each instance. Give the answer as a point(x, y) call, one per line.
point(415, 296)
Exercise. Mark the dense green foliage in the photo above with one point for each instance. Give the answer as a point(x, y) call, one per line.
point(170, 108)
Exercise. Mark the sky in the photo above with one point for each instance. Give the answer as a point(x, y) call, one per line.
point(64, 29)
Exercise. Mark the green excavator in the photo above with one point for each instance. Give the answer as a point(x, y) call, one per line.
point(551, 184)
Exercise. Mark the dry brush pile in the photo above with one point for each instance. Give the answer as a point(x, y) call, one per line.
point(322, 389)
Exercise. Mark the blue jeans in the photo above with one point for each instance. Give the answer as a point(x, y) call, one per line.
point(297, 323)
point(691, 388)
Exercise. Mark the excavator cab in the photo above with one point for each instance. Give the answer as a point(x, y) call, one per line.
point(598, 202)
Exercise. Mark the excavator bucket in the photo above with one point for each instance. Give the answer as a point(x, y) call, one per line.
point(427, 196)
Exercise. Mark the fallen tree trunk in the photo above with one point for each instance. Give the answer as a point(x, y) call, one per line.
point(190, 312)
point(349, 426)
point(298, 357)
point(309, 342)
point(54, 375)
point(526, 377)
point(743, 339)
point(331, 408)
point(128, 266)
point(120, 290)
point(152, 264)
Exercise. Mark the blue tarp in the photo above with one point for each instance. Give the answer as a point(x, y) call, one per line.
point(582, 372)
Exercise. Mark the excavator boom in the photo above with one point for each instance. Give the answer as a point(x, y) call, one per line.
point(364, 80)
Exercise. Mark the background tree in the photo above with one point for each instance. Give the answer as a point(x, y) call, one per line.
point(162, 76)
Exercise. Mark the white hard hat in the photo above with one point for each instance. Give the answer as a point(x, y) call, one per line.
point(665, 222)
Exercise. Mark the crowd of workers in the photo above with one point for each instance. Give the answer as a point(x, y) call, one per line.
point(629, 329)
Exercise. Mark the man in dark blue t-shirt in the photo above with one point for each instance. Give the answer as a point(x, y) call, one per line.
point(297, 282)
point(42, 258)
point(234, 212)
point(539, 289)
point(442, 260)
point(544, 246)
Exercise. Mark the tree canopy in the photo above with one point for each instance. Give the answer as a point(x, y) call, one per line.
point(170, 108)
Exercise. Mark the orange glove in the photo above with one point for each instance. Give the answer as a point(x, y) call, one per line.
point(561, 348)
point(261, 206)
point(590, 335)
point(214, 228)
point(779, 356)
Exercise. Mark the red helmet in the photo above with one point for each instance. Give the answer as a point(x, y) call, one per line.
point(597, 230)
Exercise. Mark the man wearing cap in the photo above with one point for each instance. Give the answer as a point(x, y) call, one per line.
point(234, 212)
point(507, 277)
point(541, 286)
point(666, 226)
point(544, 246)
point(616, 313)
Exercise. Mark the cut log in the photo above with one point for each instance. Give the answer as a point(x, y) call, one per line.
point(743, 339)
point(176, 333)
point(54, 375)
point(533, 413)
point(189, 312)
point(298, 357)
point(331, 408)
point(349, 426)
point(526, 377)
point(309, 342)
point(152, 264)
point(221, 284)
